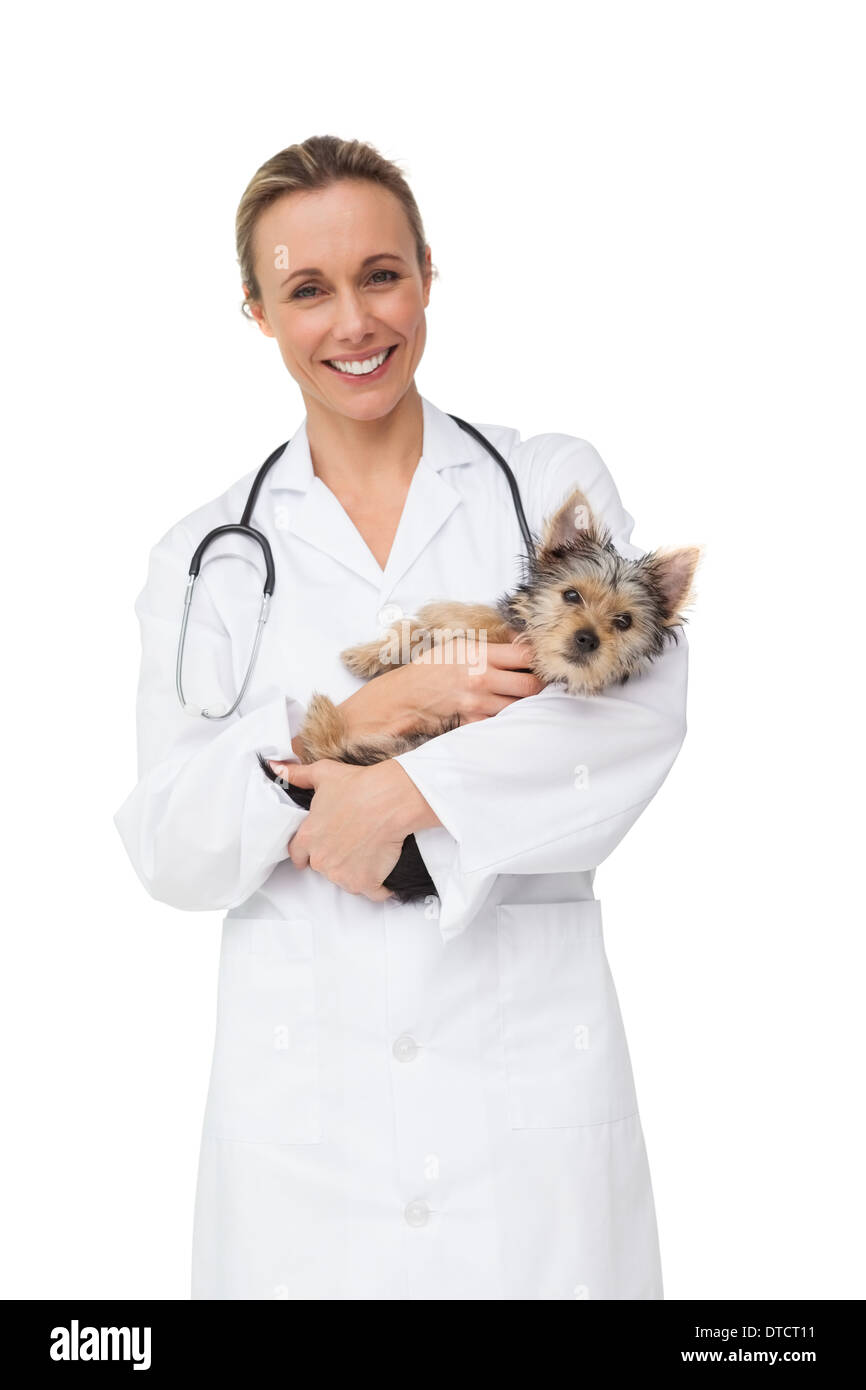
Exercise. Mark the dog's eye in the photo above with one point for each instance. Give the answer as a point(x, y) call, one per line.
point(572, 596)
point(622, 621)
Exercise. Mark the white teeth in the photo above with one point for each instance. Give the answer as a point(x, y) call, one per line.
point(369, 364)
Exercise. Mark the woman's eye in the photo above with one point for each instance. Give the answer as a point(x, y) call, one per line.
point(572, 596)
point(622, 621)
point(392, 274)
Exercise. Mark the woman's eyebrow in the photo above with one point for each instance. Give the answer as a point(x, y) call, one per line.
point(368, 260)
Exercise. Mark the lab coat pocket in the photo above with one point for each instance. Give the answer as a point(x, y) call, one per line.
point(566, 1057)
point(264, 1085)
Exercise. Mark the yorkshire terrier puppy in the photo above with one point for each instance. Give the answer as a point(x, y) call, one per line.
point(587, 617)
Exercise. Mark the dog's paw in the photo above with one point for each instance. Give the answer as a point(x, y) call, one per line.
point(368, 659)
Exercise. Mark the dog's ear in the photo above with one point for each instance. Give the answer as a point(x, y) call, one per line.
point(673, 574)
point(571, 519)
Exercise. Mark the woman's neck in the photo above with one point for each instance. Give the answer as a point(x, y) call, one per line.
point(351, 456)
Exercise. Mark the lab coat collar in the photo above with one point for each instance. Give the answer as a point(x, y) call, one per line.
point(320, 520)
point(444, 444)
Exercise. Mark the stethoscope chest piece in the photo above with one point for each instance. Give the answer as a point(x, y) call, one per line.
point(217, 711)
point(243, 528)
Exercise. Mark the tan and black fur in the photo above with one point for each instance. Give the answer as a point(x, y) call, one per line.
point(588, 618)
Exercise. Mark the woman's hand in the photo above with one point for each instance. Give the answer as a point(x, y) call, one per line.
point(437, 685)
point(360, 816)
point(480, 685)
point(354, 830)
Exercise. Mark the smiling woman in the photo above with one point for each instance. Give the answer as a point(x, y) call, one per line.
point(425, 1100)
point(339, 274)
point(343, 313)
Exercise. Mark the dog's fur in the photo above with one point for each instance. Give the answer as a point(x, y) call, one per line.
point(570, 613)
point(587, 617)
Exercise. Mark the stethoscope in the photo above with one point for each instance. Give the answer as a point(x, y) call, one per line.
point(244, 528)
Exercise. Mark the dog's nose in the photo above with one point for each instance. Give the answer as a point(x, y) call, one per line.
point(586, 640)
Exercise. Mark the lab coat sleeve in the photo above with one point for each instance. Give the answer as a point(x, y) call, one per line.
point(204, 826)
point(552, 783)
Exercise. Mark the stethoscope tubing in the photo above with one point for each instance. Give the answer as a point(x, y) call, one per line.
point(245, 528)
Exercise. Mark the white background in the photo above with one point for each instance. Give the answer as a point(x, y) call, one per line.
point(649, 228)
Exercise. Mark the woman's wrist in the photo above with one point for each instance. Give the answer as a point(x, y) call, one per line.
point(396, 802)
point(384, 705)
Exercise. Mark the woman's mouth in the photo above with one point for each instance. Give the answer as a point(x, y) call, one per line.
point(367, 369)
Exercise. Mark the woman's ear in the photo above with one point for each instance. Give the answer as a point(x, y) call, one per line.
point(258, 313)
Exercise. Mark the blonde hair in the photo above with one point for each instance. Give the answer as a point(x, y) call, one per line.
point(318, 162)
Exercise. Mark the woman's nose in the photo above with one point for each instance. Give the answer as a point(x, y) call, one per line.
point(351, 321)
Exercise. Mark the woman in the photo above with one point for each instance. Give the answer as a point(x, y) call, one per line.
point(407, 1101)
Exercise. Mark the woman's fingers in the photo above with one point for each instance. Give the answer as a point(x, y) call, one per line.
point(517, 684)
point(379, 895)
point(507, 663)
point(512, 655)
point(487, 706)
point(502, 679)
point(473, 685)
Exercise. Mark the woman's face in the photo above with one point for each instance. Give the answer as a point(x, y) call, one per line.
point(340, 282)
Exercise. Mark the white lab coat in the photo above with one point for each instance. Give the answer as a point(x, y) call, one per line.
point(423, 1101)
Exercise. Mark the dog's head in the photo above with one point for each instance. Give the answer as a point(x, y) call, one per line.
point(590, 617)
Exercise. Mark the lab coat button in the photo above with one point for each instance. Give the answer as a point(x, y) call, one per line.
point(388, 615)
point(405, 1049)
point(417, 1213)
